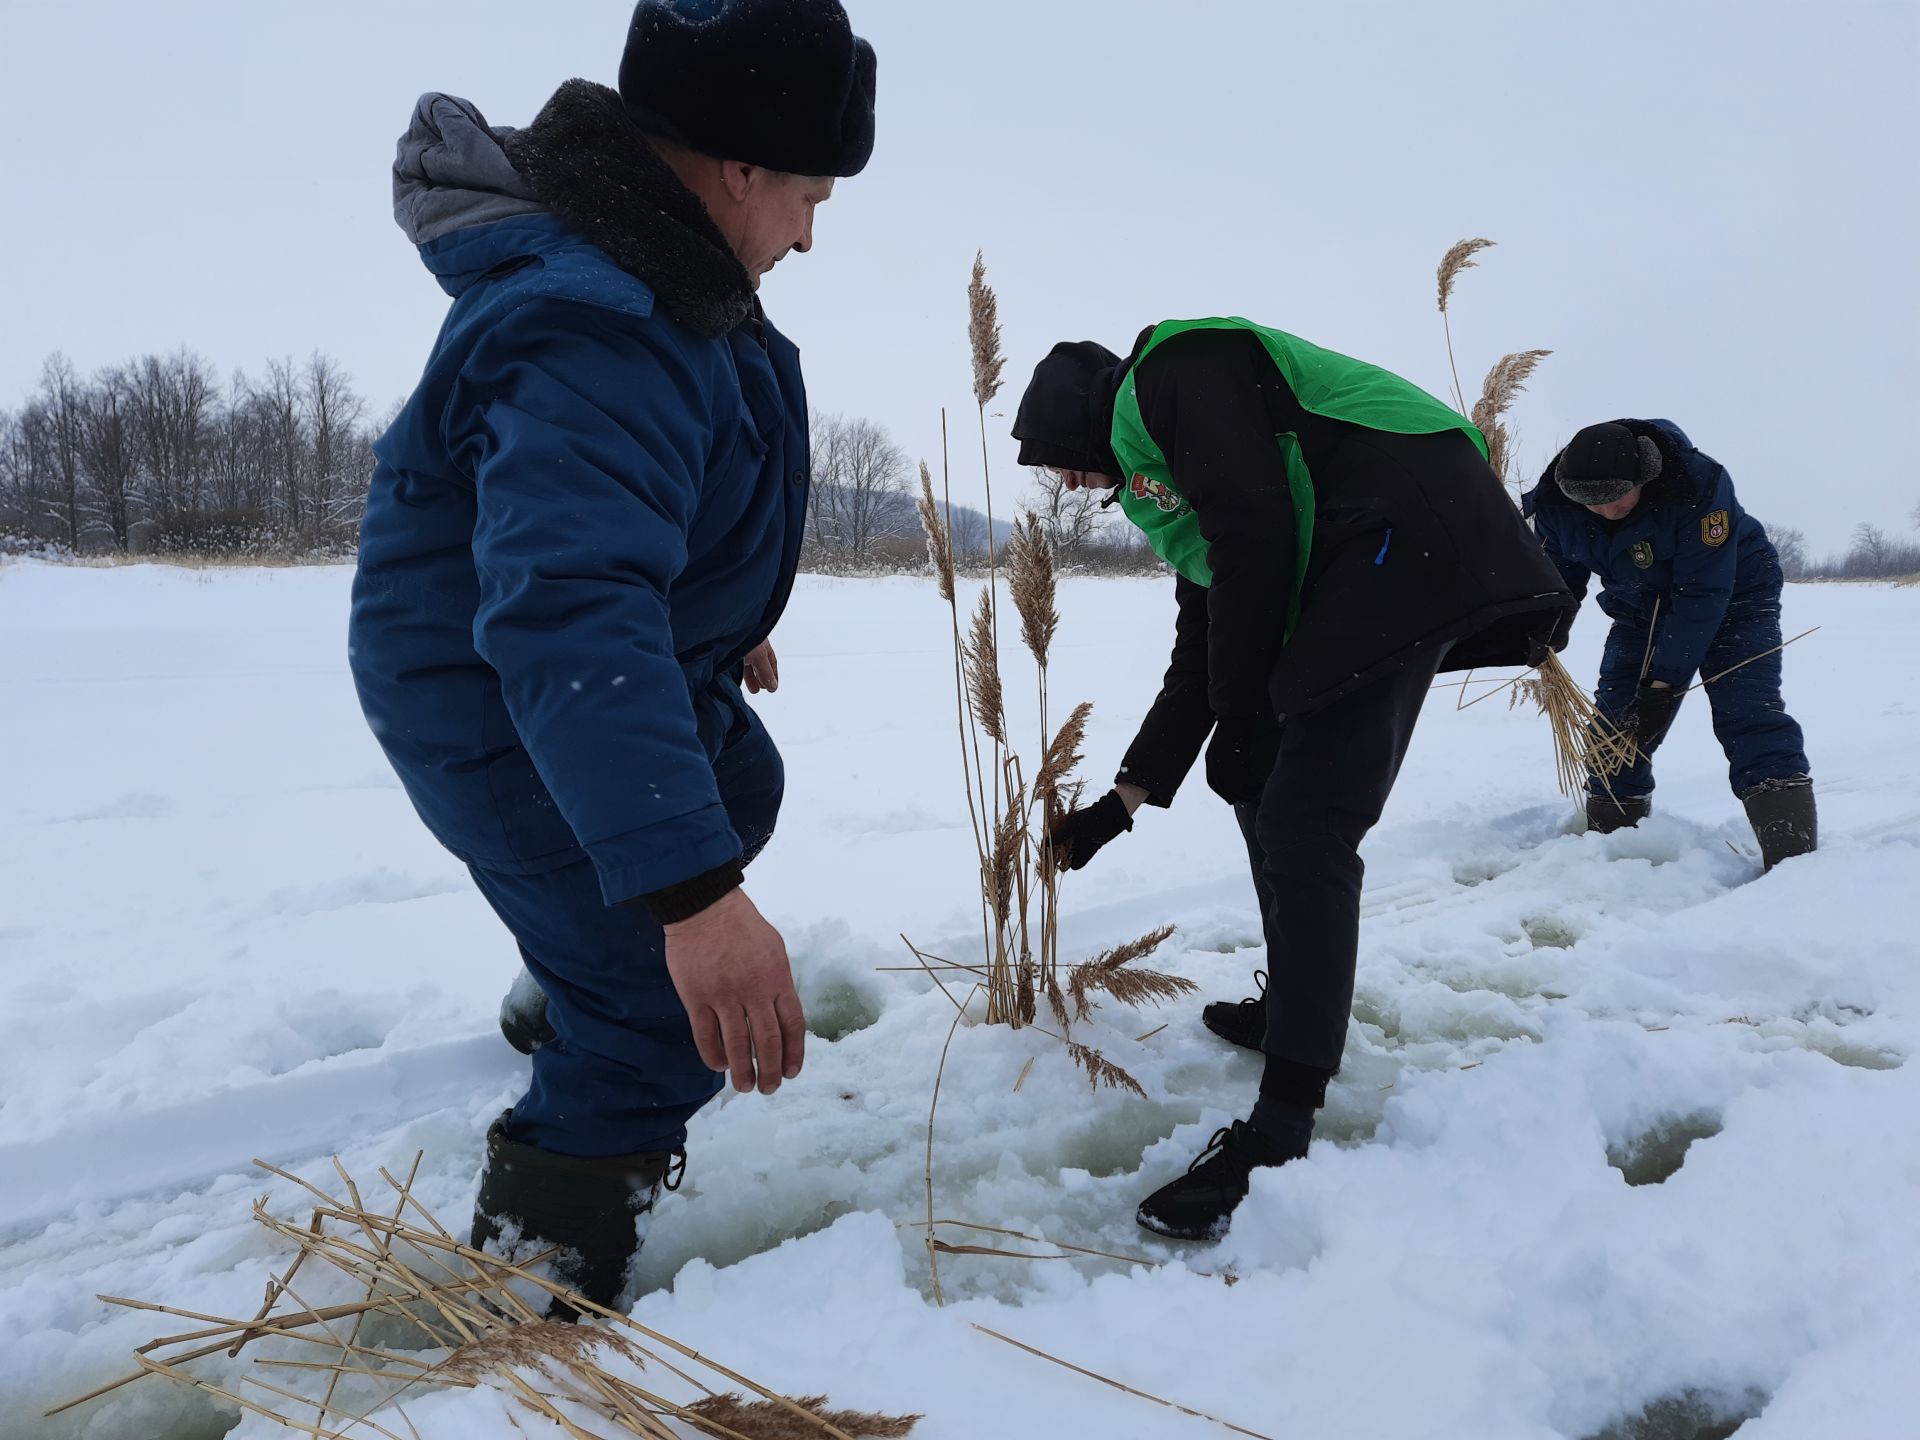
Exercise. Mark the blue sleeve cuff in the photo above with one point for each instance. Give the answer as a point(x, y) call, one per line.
point(659, 857)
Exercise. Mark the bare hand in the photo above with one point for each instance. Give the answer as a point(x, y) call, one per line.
point(762, 669)
point(730, 967)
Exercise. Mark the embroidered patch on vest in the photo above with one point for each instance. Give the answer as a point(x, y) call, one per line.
point(1643, 553)
point(1141, 488)
point(1715, 528)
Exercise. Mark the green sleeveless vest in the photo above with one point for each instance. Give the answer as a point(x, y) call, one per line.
point(1325, 382)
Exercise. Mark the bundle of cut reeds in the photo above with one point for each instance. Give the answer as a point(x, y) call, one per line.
point(429, 1313)
point(1585, 743)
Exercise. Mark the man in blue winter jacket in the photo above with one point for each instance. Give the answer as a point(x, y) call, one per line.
point(582, 529)
point(1692, 585)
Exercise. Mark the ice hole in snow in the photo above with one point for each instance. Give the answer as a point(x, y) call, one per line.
point(1690, 1415)
point(1655, 1156)
point(839, 1010)
point(1545, 932)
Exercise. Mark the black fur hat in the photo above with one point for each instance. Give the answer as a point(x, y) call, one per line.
point(781, 83)
point(1603, 462)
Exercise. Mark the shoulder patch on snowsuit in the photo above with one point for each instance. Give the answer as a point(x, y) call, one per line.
point(1715, 528)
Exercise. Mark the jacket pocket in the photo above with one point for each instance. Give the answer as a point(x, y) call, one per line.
point(529, 819)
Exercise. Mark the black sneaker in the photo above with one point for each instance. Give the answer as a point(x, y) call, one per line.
point(1200, 1204)
point(1244, 1022)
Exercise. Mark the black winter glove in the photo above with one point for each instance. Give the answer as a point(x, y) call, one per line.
point(1649, 716)
point(1241, 756)
point(1556, 640)
point(1079, 834)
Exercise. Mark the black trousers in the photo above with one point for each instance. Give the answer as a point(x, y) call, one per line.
point(1336, 768)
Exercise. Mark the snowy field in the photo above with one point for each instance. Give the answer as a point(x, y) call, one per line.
point(1625, 1144)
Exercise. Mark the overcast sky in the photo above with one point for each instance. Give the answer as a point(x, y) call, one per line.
point(1708, 211)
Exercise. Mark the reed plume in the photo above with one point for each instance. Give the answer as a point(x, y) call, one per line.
point(1108, 973)
point(763, 1420)
point(983, 333)
point(1504, 382)
point(982, 661)
point(1459, 257)
point(1063, 755)
point(939, 538)
point(1030, 578)
point(1102, 1071)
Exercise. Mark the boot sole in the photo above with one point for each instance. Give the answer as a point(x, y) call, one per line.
point(1156, 1227)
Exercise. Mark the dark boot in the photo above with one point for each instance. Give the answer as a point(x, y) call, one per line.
point(523, 1014)
point(1244, 1022)
point(1200, 1204)
point(1783, 817)
point(590, 1207)
point(1606, 814)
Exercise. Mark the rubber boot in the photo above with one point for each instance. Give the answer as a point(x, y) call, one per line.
point(1606, 814)
point(1784, 818)
point(593, 1208)
point(523, 1014)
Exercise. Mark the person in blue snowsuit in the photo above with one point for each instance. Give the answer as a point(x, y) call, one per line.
point(1692, 586)
point(581, 530)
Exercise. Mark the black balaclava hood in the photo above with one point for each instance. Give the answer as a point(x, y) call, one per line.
point(1065, 419)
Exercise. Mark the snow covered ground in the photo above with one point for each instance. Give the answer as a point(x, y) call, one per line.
point(1625, 1138)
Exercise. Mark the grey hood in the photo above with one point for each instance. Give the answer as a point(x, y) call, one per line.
point(592, 173)
point(450, 171)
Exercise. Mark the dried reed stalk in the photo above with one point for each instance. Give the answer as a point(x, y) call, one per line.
point(1117, 1385)
point(1018, 879)
point(933, 1110)
point(1742, 664)
point(1459, 257)
point(1067, 1251)
point(938, 524)
point(1504, 382)
point(489, 1336)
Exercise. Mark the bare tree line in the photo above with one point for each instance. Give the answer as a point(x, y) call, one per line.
point(1871, 554)
point(861, 515)
point(157, 456)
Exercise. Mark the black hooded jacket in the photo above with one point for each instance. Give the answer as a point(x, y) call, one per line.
point(1415, 542)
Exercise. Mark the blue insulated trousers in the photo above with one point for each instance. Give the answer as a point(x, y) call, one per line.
point(1762, 742)
point(622, 1075)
